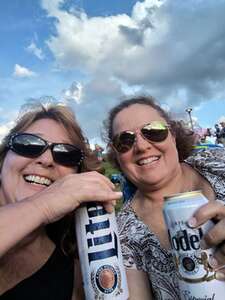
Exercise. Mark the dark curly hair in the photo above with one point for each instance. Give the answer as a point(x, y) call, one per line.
point(184, 136)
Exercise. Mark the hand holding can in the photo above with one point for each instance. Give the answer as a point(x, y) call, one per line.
point(215, 237)
point(197, 278)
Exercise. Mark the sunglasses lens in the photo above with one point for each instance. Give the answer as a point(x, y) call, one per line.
point(28, 145)
point(67, 155)
point(124, 141)
point(155, 132)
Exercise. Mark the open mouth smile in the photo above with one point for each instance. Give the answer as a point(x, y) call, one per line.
point(147, 161)
point(35, 179)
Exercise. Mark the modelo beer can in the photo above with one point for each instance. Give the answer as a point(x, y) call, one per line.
point(197, 279)
point(100, 254)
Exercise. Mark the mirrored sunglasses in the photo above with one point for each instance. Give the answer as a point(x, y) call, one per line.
point(154, 132)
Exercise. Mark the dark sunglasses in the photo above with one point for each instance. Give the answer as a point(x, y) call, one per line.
point(154, 132)
point(32, 146)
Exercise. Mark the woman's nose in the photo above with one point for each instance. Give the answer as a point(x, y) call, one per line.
point(141, 143)
point(46, 159)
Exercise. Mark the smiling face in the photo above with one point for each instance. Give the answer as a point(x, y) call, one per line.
point(22, 177)
point(145, 164)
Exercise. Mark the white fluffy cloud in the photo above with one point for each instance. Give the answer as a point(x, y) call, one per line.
point(84, 42)
point(221, 119)
point(21, 72)
point(4, 129)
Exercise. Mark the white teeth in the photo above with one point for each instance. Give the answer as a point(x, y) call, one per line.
point(38, 180)
point(147, 160)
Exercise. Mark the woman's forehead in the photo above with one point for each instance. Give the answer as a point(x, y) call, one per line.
point(50, 130)
point(135, 116)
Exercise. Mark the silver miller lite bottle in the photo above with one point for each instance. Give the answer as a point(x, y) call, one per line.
point(100, 255)
point(197, 279)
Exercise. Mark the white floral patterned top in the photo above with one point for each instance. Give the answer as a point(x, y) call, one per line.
point(140, 246)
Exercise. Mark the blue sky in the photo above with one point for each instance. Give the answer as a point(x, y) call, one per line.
point(92, 53)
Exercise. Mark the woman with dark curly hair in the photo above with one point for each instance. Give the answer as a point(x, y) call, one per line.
point(154, 152)
point(44, 164)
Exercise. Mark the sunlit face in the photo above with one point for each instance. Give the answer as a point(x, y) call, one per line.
point(146, 163)
point(22, 177)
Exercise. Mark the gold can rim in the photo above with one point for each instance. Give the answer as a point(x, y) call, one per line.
point(183, 195)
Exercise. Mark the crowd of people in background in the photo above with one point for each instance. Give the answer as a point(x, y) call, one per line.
point(211, 136)
point(99, 152)
point(220, 133)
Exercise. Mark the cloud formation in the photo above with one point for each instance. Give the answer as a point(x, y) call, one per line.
point(73, 93)
point(171, 49)
point(4, 129)
point(32, 48)
point(22, 72)
point(174, 50)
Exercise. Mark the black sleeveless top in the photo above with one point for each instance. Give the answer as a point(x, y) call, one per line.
point(54, 281)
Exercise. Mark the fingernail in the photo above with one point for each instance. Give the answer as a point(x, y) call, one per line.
point(114, 202)
point(220, 276)
point(203, 244)
point(192, 222)
point(213, 262)
point(120, 194)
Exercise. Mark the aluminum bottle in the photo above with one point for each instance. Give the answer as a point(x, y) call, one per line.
point(197, 279)
point(100, 255)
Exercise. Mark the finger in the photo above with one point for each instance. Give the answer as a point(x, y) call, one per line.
point(101, 195)
point(206, 212)
point(214, 236)
point(219, 257)
point(220, 275)
point(109, 207)
point(220, 270)
point(99, 178)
